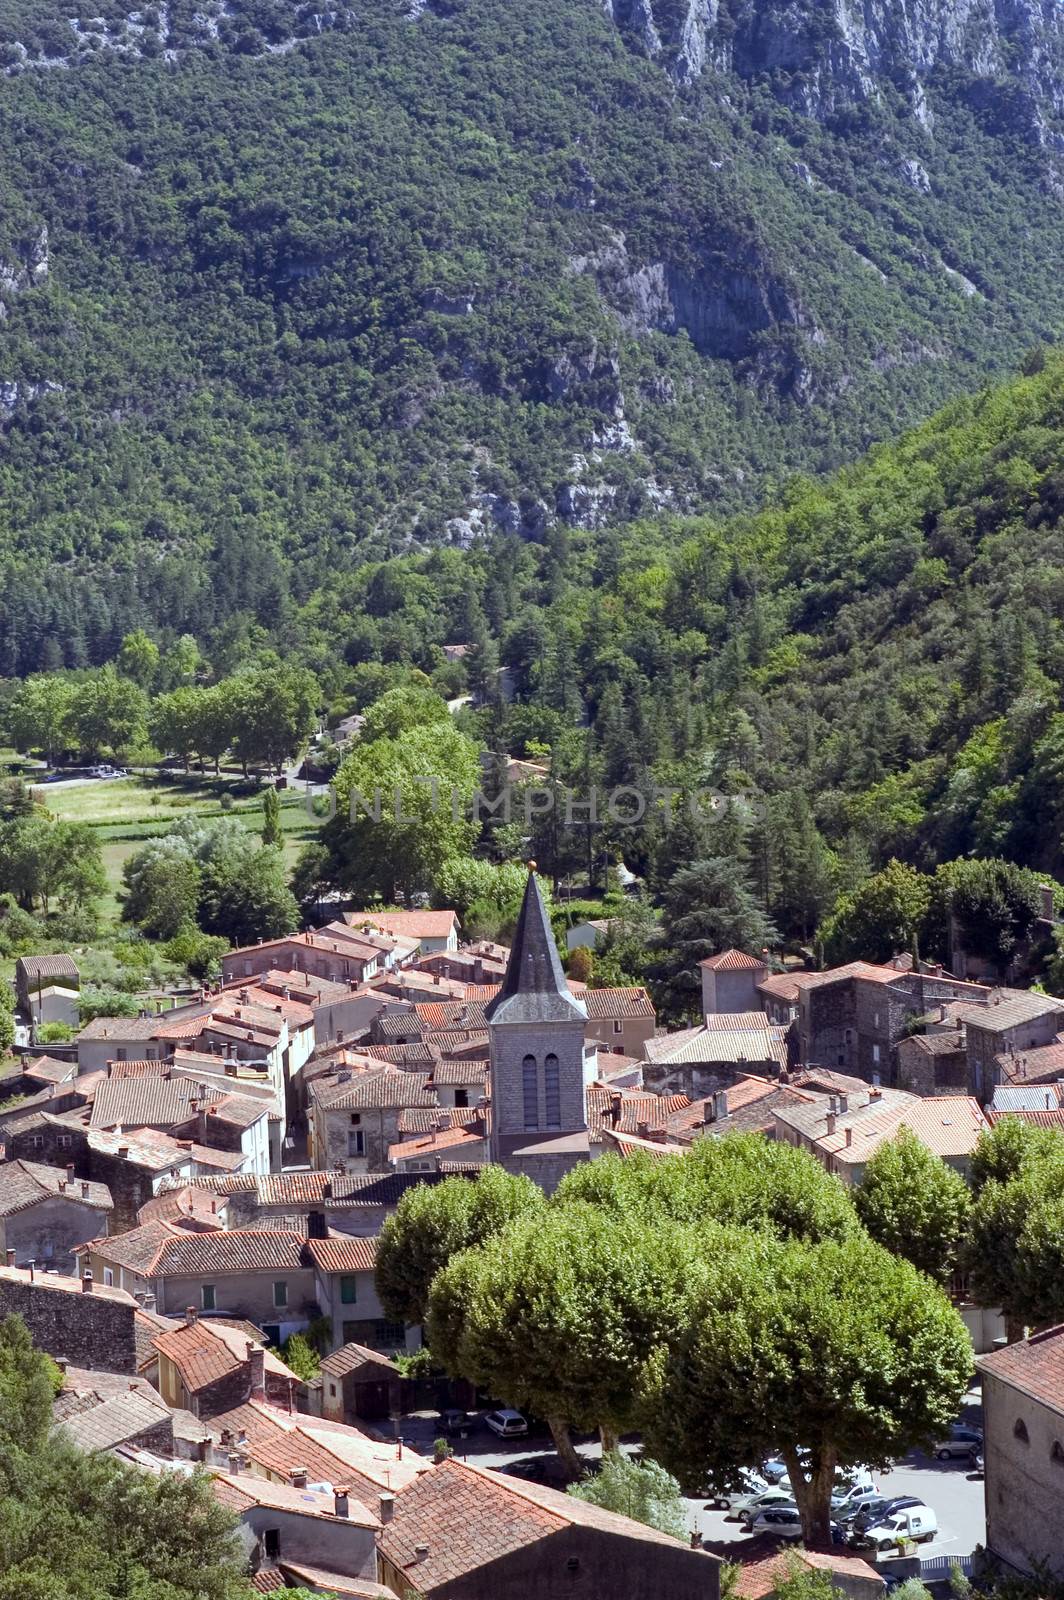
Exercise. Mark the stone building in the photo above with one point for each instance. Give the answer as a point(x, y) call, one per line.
point(291, 1529)
point(360, 1383)
point(852, 1018)
point(79, 1320)
point(46, 1211)
point(209, 1367)
point(354, 1117)
point(536, 1033)
point(933, 1063)
point(730, 980)
point(1023, 1430)
point(1013, 1022)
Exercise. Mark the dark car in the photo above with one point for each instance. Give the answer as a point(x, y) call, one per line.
point(460, 1422)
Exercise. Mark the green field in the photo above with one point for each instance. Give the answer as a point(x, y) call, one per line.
point(128, 811)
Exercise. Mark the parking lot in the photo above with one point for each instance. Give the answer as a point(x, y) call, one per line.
point(950, 1488)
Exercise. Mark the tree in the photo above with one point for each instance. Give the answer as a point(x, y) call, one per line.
point(914, 1205)
point(138, 659)
point(708, 907)
point(430, 1225)
point(175, 722)
point(245, 897)
point(271, 817)
point(162, 882)
point(1016, 1250)
point(107, 713)
point(994, 905)
point(45, 860)
point(883, 915)
point(558, 1313)
point(38, 718)
point(274, 707)
point(785, 1347)
point(642, 1490)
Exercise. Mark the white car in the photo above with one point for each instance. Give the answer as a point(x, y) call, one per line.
point(751, 1483)
point(917, 1523)
point(507, 1424)
point(782, 1522)
point(776, 1496)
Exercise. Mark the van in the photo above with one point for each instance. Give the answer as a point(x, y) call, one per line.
point(917, 1523)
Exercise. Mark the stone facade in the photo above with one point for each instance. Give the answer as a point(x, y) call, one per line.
point(984, 1042)
point(731, 989)
point(1024, 1455)
point(91, 1329)
point(854, 1024)
point(933, 1063)
point(47, 1232)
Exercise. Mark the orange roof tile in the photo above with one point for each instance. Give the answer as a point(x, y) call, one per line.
point(1034, 1366)
point(733, 961)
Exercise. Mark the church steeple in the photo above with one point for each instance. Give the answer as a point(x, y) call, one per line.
point(534, 989)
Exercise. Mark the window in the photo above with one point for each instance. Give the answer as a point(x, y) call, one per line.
point(618, 1025)
point(552, 1092)
point(875, 1020)
point(108, 1278)
point(348, 1289)
point(356, 1118)
point(120, 1055)
point(1057, 1453)
point(271, 1543)
point(461, 1099)
point(875, 1054)
point(1019, 1431)
point(280, 1293)
point(530, 1087)
point(65, 1140)
point(36, 1142)
point(356, 1142)
point(332, 1391)
point(207, 1296)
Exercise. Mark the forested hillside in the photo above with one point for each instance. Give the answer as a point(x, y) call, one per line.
point(285, 291)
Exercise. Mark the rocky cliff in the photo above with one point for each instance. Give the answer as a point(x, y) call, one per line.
point(822, 54)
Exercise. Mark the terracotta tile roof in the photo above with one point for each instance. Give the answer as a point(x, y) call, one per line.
point(239, 1250)
point(785, 985)
point(765, 1564)
point(46, 1069)
point(350, 1357)
point(36, 968)
point(1039, 1119)
point(628, 1144)
point(470, 1517)
point(239, 1491)
point(323, 1581)
point(949, 1125)
point(721, 1046)
point(420, 1120)
point(735, 1021)
point(1031, 1066)
point(138, 1069)
point(453, 1140)
point(120, 1028)
point(460, 1072)
point(25, 1183)
point(628, 1109)
point(1009, 1009)
point(267, 1580)
point(343, 1253)
point(115, 1420)
point(330, 1452)
point(866, 970)
point(387, 1090)
point(147, 1102)
point(1034, 1366)
point(609, 1003)
point(204, 1351)
point(402, 1055)
point(137, 1249)
point(52, 1282)
point(733, 961)
point(450, 1016)
point(414, 924)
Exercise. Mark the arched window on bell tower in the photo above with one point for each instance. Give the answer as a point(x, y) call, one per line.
point(552, 1092)
point(530, 1090)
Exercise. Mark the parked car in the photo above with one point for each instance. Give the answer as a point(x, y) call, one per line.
point(978, 1467)
point(507, 1424)
point(848, 1502)
point(461, 1422)
point(774, 1471)
point(751, 1483)
point(775, 1495)
point(918, 1523)
point(874, 1511)
point(781, 1521)
point(961, 1441)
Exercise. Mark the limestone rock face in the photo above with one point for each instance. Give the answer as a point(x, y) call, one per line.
point(827, 53)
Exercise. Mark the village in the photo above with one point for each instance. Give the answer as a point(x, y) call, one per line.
point(186, 1192)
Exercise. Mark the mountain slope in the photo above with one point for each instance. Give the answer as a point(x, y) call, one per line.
point(277, 300)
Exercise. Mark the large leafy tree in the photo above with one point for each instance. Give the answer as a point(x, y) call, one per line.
point(797, 1350)
point(558, 1314)
point(708, 907)
point(914, 1205)
point(993, 903)
point(433, 1223)
point(881, 916)
point(1016, 1252)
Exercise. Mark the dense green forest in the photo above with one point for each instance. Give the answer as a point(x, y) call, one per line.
point(271, 313)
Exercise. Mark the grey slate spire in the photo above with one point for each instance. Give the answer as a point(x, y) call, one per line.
point(534, 988)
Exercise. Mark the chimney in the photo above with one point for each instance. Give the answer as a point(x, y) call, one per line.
point(849, 1137)
point(844, 1104)
point(720, 1102)
point(643, 1129)
point(9, 1256)
point(1046, 892)
point(875, 1093)
point(421, 1552)
point(709, 1110)
point(341, 1505)
point(86, 1281)
point(84, 1191)
point(257, 1364)
point(29, 1268)
point(234, 1463)
point(191, 1316)
point(299, 1477)
point(387, 1506)
point(62, 1186)
point(149, 1300)
point(123, 1151)
point(70, 1173)
point(316, 1225)
point(831, 1122)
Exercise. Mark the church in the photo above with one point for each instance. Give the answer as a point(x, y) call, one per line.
point(540, 1065)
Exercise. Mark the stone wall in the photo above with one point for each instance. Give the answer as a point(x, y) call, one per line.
point(48, 1231)
point(91, 1330)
